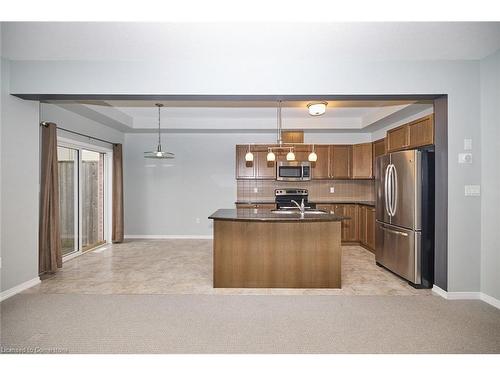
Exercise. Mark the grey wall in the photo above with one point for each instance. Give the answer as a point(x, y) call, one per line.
point(260, 73)
point(490, 178)
point(72, 121)
point(165, 197)
point(19, 186)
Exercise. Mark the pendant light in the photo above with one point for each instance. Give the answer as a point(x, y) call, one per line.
point(158, 153)
point(270, 155)
point(290, 156)
point(249, 155)
point(313, 157)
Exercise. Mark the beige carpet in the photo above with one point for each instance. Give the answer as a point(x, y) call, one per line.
point(247, 324)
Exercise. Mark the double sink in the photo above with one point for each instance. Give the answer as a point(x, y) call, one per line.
point(307, 211)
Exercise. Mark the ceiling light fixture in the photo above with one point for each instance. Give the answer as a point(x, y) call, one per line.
point(290, 156)
point(313, 157)
point(158, 153)
point(249, 155)
point(270, 155)
point(317, 109)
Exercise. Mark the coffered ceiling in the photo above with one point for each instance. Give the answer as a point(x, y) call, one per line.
point(142, 116)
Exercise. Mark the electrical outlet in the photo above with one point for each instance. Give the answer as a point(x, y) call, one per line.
point(467, 144)
point(255, 190)
point(472, 190)
point(332, 189)
point(198, 220)
point(465, 158)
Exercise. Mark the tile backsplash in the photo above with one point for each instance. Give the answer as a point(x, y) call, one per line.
point(319, 190)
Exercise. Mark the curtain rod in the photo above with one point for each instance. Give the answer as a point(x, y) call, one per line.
point(46, 123)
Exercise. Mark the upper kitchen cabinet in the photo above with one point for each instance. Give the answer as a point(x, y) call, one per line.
point(244, 169)
point(321, 167)
point(340, 161)
point(422, 132)
point(362, 165)
point(398, 138)
point(264, 170)
point(378, 150)
point(292, 136)
point(415, 134)
point(301, 152)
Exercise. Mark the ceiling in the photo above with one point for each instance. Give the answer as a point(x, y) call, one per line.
point(142, 116)
point(282, 42)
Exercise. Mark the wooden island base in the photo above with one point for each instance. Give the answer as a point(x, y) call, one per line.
point(277, 254)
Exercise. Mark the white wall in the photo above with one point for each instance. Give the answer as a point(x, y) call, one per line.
point(19, 186)
point(490, 178)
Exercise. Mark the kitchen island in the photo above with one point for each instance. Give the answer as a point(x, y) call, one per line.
point(256, 248)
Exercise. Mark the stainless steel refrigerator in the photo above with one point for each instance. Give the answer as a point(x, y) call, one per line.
point(404, 235)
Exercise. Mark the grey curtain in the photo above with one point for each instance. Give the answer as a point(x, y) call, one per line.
point(49, 239)
point(117, 228)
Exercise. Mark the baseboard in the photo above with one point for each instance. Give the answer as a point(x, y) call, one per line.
point(19, 288)
point(168, 237)
point(467, 295)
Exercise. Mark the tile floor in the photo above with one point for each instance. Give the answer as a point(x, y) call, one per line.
point(185, 267)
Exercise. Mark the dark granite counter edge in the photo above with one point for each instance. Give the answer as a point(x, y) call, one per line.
point(263, 215)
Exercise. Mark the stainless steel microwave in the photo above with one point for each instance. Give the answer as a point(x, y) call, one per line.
point(293, 171)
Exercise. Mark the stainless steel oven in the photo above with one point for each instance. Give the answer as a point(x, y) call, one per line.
point(293, 171)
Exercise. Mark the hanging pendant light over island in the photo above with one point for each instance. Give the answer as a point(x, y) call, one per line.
point(158, 153)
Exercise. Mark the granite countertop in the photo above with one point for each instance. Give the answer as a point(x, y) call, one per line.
point(251, 214)
point(366, 203)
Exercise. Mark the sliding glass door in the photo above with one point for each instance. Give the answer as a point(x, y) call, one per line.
point(82, 192)
point(92, 185)
point(68, 198)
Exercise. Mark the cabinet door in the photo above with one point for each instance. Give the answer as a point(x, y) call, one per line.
point(370, 228)
point(340, 161)
point(264, 170)
point(350, 226)
point(321, 168)
point(362, 224)
point(398, 138)
point(362, 164)
point(244, 169)
point(421, 132)
point(378, 150)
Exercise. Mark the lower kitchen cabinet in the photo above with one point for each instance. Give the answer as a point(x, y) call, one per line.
point(360, 225)
point(366, 222)
point(350, 226)
point(370, 228)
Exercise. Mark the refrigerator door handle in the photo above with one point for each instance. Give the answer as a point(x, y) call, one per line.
point(394, 190)
point(386, 189)
point(395, 232)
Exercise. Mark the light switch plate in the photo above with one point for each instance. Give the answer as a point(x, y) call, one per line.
point(472, 190)
point(332, 189)
point(467, 144)
point(465, 158)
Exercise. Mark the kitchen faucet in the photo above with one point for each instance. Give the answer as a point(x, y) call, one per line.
point(301, 206)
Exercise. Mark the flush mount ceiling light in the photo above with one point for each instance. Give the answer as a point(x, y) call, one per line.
point(317, 109)
point(158, 153)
